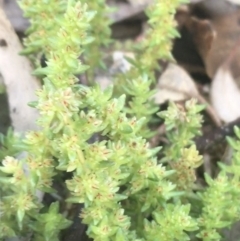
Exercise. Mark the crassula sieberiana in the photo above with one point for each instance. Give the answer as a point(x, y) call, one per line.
point(128, 193)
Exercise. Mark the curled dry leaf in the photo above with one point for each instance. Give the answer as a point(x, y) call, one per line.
point(215, 39)
point(175, 84)
point(214, 8)
point(225, 95)
point(203, 35)
point(227, 36)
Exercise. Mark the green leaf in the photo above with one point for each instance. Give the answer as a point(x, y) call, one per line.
point(126, 129)
point(34, 178)
point(233, 143)
point(74, 200)
point(2, 89)
point(20, 216)
point(54, 207)
point(72, 63)
point(33, 104)
point(120, 235)
point(237, 131)
point(27, 51)
point(40, 72)
point(81, 69)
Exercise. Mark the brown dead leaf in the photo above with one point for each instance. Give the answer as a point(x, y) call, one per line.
point(212, 9)
point(181, 16)
point(203, 35)
point(227, 36)
point(218, 44)
point(216, 39)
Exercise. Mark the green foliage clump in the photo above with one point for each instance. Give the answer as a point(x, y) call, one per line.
point(129, 193)
point(41, 15)
point(156, 45)
point(182, 126)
